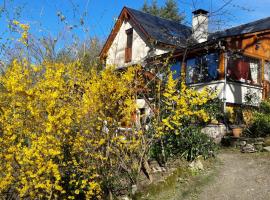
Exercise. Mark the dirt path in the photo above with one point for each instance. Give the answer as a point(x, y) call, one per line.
point(239, 177)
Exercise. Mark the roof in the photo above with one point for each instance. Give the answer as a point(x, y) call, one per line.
point(252, 27)
point(172, 33)
point(162, 30)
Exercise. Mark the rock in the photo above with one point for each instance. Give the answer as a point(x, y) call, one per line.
point(196, 165)
point(215, 131)
point(266, 148)
point(248, 148)
point(267, 141)
point(242, 143)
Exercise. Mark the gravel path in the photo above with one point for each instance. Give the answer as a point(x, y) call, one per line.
point(240, 177)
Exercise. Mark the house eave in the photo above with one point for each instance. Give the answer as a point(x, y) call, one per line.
point(196, 48)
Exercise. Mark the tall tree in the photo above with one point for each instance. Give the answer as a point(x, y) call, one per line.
point(168, 11)
point(151, 9)
point(171, 11)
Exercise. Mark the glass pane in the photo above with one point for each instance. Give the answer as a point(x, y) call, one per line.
point(176, 69)
point(212, 64)
point(267, 71)
point(202, 69)
point(244, 69)
point(190, 73)
point(254, 66)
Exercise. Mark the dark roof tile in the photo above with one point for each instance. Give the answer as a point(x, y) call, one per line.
point(252, 27)
point(176, 34)
point(162, 30)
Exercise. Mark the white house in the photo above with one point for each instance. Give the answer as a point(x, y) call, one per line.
point(236, 60)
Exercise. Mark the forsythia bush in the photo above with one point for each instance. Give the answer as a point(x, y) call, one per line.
point(59, 130)
point(182, 106)
point(183, 109)
point(60, 135)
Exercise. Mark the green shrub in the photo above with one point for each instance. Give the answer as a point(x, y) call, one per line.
point(265, 107)
point(260, 126)
point(194, 143)
point(189, 144)
point(261, 122)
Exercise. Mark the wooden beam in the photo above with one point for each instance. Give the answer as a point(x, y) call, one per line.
point(221, 67)
point(262, 71)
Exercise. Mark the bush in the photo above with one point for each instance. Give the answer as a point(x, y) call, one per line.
point(261, 124)
point(214, 108)
point(189, 144)
point(195, 143)
point(60, 135)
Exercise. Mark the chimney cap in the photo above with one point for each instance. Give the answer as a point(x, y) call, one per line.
point(200, 11)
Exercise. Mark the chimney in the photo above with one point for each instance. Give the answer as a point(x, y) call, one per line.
point(200, 25)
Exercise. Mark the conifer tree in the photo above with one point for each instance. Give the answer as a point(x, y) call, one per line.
point(168, 11)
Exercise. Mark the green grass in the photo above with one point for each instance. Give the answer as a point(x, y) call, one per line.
point(181, 184)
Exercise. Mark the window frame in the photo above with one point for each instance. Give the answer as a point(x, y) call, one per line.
point(201, 77)
point(250, 58)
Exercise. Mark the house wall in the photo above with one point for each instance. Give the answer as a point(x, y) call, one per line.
point(236, 93)
point(233, 92)
point(140, 48)
point(255, 45)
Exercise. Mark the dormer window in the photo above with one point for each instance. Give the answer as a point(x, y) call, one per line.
point(128, 49)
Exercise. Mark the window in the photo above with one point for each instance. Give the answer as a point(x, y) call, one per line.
point(266, 82)
point(267, 71)
point(128, 49)
point(176, 69)
point(202, 68)
point(244, 69)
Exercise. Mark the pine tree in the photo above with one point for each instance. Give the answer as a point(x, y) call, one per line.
point(168, 11)
point(145, 7)
point(151, 9)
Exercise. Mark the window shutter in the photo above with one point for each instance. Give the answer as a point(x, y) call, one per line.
point(128, 49)
point(128, 54)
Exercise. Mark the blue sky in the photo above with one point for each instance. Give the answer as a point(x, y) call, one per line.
point(99, 15)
